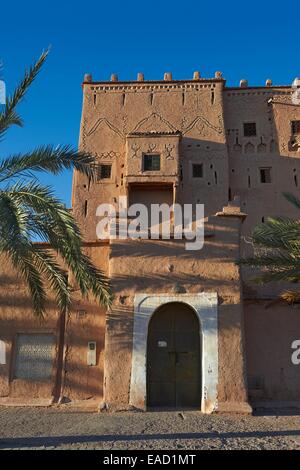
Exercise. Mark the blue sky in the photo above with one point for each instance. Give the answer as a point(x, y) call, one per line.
point(252, 40)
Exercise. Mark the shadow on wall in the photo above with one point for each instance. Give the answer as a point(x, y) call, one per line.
point(271, 328)
point(164, 283)
point(80, 381)
point(280, 155)
point(203, 172)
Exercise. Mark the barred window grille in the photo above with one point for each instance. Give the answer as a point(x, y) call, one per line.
point(34, 357)
point(265, 175)
point(249, 129)
point(151, 162)
point(104, 172)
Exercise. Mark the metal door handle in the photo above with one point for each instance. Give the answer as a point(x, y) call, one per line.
point(177, 353)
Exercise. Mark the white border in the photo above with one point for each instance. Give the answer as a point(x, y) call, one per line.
point(205, 305)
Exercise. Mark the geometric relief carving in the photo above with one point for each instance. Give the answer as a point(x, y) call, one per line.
point(151, 147)
point(111, 155)
point(220, 119)
point(261, 148)
point(83, 133)
point(104, 122)
point(237, 148)
point(249, 148)
point(202, 129)
point(34, 357)
point(202, 125)
point(124, 119)
point(154, 123)
point(282, 98)
point(168, 151)
point(184, 122)
point(135, 147)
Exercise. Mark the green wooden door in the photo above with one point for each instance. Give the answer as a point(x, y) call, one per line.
point(173, 358)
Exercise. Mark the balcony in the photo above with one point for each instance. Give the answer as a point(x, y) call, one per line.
point(152, 157)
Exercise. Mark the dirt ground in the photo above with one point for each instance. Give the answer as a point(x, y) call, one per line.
point(52, 428)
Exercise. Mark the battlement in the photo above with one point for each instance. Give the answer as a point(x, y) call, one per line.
point(169, 80)
point(88, 79)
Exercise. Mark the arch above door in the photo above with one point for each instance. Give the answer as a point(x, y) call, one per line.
point(205, 306)
point(174, 358)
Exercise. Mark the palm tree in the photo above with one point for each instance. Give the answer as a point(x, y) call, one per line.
point(276, 245)
point(29, 210)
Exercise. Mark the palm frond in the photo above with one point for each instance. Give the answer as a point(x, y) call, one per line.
point(13, 219)
point(56, 277)
point(15, 245)
point(56, 225)
point(28, 210)
point(9, 115)
point(277, 232)
point(292, 199)
point(49, 217)
point(47, 159)
point(22, 261)
point(28, 258)
point(276, 259)
point(278, 266)
point(88, 277)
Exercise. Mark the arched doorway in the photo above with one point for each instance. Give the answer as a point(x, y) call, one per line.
point(173, 358)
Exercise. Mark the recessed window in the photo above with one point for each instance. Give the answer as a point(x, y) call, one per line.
point(295, 127)
point(265, 175)
point(249, 129)
point(104, 172)
point(151, 162)
point(34, 357)
point(197, 170)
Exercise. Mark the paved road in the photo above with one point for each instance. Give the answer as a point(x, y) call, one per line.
point(50, 428)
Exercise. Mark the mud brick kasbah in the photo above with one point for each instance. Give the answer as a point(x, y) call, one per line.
point(188, 328)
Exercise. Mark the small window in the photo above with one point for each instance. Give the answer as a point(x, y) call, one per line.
point(104, 172)
point(198, 170)
point(265, 175)
point(249, 129)
point(295, 127)
point(151, 162)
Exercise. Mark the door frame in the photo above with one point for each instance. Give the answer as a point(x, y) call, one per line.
point(205, 305)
